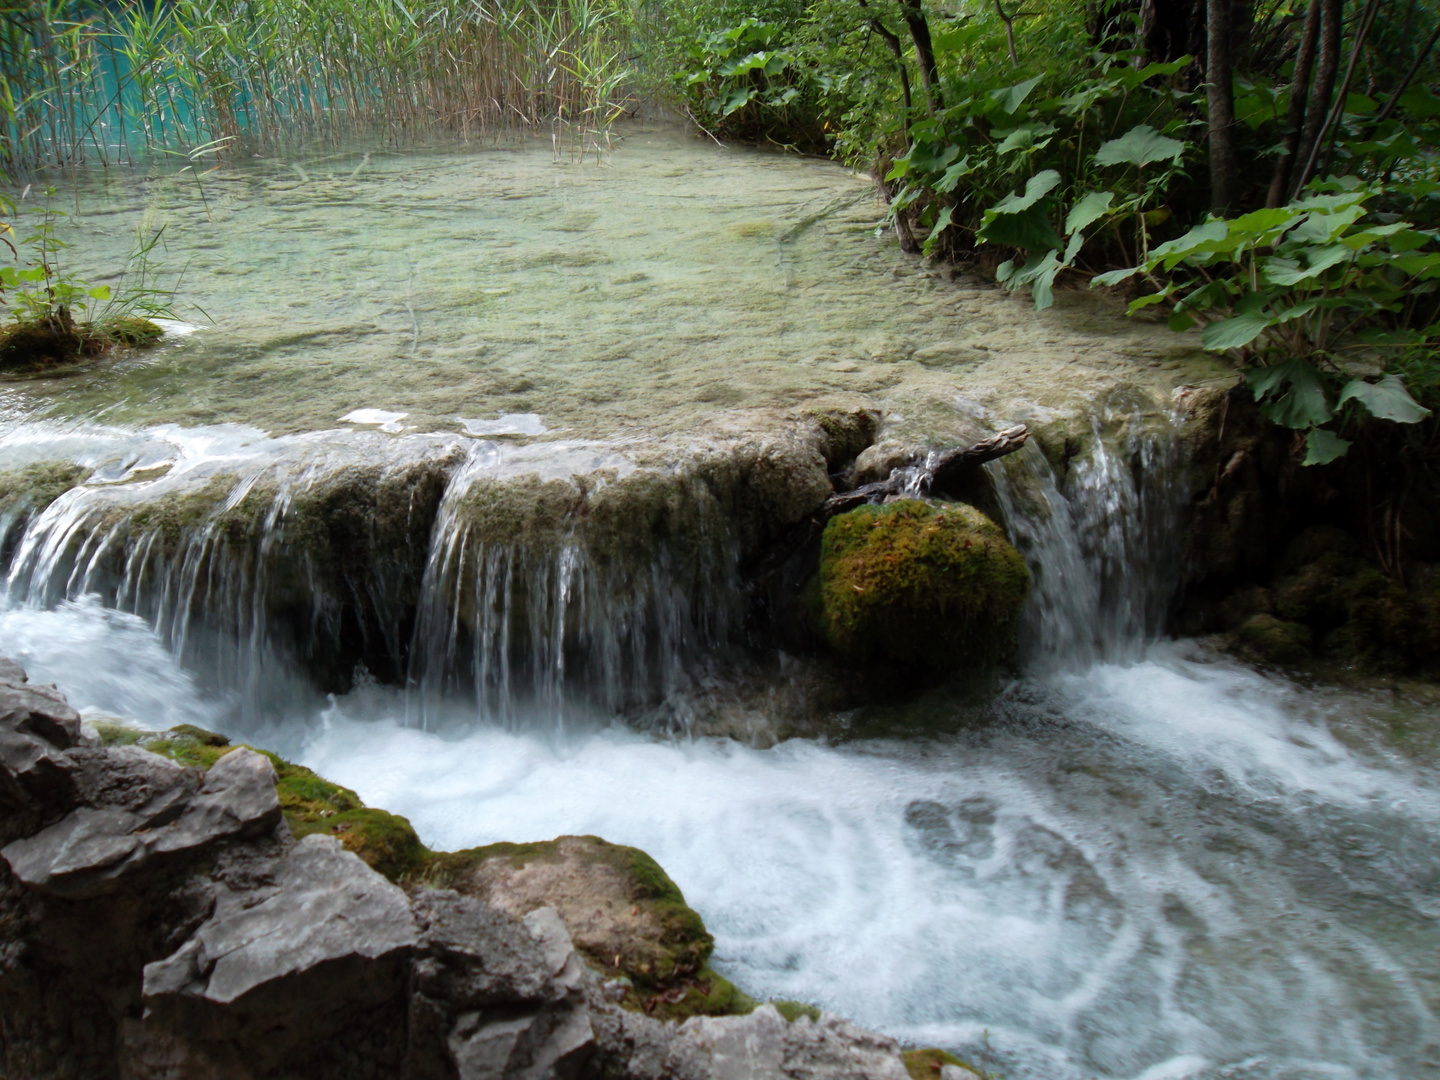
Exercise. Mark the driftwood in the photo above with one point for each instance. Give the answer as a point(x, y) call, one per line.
point(919, 475)
point(935, 470)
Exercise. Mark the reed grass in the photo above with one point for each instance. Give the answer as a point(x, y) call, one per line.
point(80, 81)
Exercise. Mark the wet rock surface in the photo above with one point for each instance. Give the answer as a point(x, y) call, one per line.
point(158, 920)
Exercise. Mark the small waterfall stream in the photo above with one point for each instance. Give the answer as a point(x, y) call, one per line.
point(1137, 861)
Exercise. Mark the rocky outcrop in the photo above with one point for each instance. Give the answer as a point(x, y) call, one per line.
point(159, 920)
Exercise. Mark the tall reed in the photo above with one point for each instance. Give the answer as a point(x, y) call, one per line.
point(80, 81)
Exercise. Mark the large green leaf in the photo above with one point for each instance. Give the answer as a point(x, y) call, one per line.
point(1029, 229)
point(1234, 333)
point(1027, 137)
point(1012, 97)
point(1140, 146)
point(1388, 399)
point(1207, 237)
point(1114, 277)
point(1088, 210)
point(1036, 188)
point(1292, 394)
point(1323, 447)
point(1038, 272)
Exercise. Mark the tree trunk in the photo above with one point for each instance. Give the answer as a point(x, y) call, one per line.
point(1317, 110)
point(893, 41)
point(1295, 114)
point(1220, 94)
point(924, 53)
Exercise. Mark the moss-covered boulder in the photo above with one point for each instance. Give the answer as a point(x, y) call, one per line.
point(1275, 641)
point(623, 912)
point(929, 584)
point(930, 1065)
point(57, 339)
point(311, 804)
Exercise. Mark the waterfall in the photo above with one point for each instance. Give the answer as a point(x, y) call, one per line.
point(553, 626)
point(1101, 542)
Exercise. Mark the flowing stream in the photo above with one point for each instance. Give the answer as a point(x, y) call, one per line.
point(1137, 860)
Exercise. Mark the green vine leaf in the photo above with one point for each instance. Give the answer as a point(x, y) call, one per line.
point(1387, 400)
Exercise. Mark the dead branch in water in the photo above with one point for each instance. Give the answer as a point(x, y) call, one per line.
point(935, 470)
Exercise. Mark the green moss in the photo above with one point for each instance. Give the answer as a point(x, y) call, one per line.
point(844, 433)
point(668, 977)
point(926, 1064)
point(113, 734)
point(385, 841)
point(1274, 640)
point(794, 1010)
point(32, 488)
point(131, 332)
point(920, 583)
point(683, 945)
point(199, 734)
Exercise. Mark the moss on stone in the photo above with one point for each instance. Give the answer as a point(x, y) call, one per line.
point(199, 734)
point(624, 914)
point(919, 583)
point(131, 332)
point(926, 1064)
point(30, 489)
point(1274, 640)
point(794, 1010)
point(658, 947)
point(51, 342)
point(585, 872)
point(844, 433)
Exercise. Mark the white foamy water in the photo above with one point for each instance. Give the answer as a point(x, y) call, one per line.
point(1163, 870)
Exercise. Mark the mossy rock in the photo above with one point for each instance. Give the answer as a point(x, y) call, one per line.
point(1274, 640)
point(31, 488)
point(623, 912)
point(131, 332)
point(310, 803)
point(55, 341)
point(927, 1064)
point(920, 583)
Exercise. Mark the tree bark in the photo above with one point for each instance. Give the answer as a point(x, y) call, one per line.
point(1295, 113)
point(893, 41)
point(1317, 110)
point(1220, 95)
point(924, 53)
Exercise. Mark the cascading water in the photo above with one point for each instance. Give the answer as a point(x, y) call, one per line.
point(539, 630)
point(1147, 863)
point(1102, 543)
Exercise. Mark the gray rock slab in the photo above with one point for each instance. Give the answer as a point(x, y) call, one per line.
point(328, 906)
point(11, 672)
point(144, 808)
point(764, 1046)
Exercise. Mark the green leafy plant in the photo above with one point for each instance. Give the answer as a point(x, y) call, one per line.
point(1299, 294)
point(745, 82)
point(57, 316)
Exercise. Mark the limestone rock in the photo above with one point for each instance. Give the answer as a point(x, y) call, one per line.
point(169, 927)
point(327, 906)
point(765, 1046)
point(143, 808)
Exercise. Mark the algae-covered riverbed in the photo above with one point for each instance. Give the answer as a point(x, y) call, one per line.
point(671, 287)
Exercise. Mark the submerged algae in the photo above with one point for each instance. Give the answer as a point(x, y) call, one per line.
point(920, 583)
